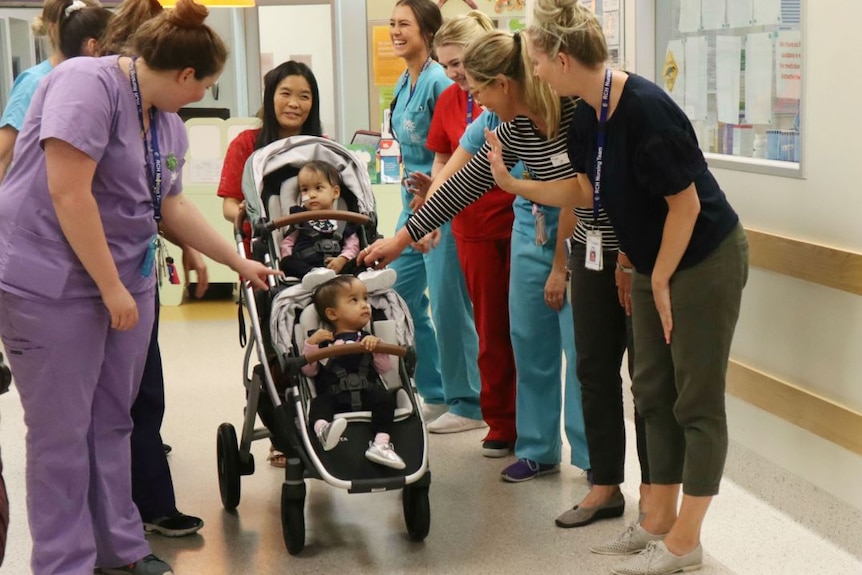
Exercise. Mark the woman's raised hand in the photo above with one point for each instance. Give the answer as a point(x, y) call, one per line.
point(498, 168)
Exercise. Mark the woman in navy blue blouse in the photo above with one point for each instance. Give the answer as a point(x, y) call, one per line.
point(636, 155)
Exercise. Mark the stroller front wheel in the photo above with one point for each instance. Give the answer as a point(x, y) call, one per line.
point(227, 453)
point(417, 511)
point(293, 517)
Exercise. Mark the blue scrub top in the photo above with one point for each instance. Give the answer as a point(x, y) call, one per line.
point(411, 121)
point(525, 222)
point(22, 92)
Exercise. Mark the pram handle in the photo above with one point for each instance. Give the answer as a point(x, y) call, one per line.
point(350, 348)
point(300, 217)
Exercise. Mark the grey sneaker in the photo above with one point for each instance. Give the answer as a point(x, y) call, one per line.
point(633, 540)
point(149, 565)
point(330, 434)
point(657, 560)
point(384, 454)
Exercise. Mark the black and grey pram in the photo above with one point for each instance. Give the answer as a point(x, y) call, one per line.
point(279, 319)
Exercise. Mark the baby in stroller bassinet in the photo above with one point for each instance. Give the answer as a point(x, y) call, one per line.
point(318, 249)
point(351, 381)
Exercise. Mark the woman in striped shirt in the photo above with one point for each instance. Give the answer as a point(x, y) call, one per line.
point(534, 121)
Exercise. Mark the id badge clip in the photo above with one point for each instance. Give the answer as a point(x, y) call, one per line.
point(593, 260)
point(541, 227)
point(150, 257)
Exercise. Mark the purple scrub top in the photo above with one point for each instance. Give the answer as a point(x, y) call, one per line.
point(88, 103)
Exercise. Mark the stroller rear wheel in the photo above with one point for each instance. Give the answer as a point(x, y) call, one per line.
point(293, 517)
point(417, 511)
point(228, 466)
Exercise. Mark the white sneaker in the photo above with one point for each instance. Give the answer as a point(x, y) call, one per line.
point(378, 280)
point(633, 540)
point(431, 411)
point(451, 423)
point(316, 277)
point(384, 454)
point(330, 434)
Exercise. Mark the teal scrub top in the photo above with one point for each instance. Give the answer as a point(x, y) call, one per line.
point(22, 92)
point(411, 120)
point(525, 222)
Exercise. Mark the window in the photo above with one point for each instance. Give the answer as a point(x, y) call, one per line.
point(736, 68)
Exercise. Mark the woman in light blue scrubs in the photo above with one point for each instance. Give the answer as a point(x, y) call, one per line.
point(447, 369)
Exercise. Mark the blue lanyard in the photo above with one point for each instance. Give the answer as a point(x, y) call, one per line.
point(469, 108)
point(600, 143)
point(151, 144)
point(413, 86)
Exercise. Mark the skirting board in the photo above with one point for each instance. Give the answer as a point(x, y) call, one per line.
point(827, 419)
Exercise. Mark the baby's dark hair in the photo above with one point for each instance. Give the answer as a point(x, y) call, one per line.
point(324, 169)
point(326, 294)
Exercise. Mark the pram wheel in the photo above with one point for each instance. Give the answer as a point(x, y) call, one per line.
point(228, 466)
point(417, 511)
point(293, 517)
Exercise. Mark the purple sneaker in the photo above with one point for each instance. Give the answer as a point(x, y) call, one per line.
point(526, 469)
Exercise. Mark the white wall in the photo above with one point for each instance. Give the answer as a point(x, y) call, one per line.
point(797, 331)
point(287, 31)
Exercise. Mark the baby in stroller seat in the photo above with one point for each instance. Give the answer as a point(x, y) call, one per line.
point(318, 249)
point(351, 381)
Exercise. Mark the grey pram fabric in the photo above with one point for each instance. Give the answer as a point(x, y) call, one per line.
point(288, 305)
point(296, 151)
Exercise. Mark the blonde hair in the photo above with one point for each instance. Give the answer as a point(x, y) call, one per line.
point(567, 26)
point(502, 53)
point(129, 17)
point(462, 29)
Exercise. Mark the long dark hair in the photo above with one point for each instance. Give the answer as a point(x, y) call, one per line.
point(428, 17)
point(80, 24)
point(271, 128)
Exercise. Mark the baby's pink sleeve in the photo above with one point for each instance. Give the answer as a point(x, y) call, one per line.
point(351, 247)
point(382, 362)
point(288, 243)
point(310, 369)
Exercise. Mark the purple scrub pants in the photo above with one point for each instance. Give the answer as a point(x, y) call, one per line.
point(77, 379)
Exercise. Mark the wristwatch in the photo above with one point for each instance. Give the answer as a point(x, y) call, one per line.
point(624, 269)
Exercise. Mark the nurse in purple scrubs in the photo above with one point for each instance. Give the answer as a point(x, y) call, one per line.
point(99, 160)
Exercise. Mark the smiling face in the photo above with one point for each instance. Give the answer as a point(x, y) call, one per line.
point(450, 57)
point(408, 40)
point(292, 102)
point(315, 191)
point(495, 95)
point(548, 68)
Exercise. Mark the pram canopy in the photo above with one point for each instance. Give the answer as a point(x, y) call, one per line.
point(294, 152)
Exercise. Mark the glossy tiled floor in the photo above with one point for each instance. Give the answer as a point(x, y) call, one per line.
point(764, 522)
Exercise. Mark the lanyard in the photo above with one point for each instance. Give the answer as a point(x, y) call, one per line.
point(151, 144)
point(413, 86)
point(469, 108)
point(600, 143)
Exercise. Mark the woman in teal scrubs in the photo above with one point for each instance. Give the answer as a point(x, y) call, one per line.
point(447, 370)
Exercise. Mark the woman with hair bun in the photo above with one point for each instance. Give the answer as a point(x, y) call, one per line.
point(49, 24)
point(636, 155)
point(79, 219)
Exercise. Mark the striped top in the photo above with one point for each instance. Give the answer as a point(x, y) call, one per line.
point(545, 160)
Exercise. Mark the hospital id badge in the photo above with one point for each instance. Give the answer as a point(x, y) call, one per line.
point(150, 256)
point(593, 260)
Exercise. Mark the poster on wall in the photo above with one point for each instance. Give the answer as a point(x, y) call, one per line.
point(788, 56)
point(387, 66)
